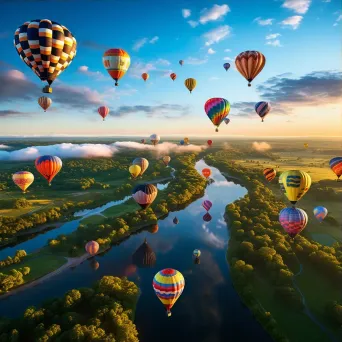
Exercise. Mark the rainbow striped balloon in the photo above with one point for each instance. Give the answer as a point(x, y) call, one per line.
point(336, 166)
point(168, 284)
point(293, 220)
point(217, 110)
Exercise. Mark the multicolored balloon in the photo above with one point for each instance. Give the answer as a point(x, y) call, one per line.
point(217, 109)
point(155, 138)
point(92, 247)
point(296, 183)
point(173, 76)
point(168, 284)
point(44, 102)
point(250, 64)
point(209, 142)
point(226, 121)
point(293, 220)
point(207, 205)
point(181, 62)
point(103, 111)
point(143, 163)
point(320, 213)
point(116, 62)
point(145, 76)
point(262, 108)
point(226, 66)
point(23, 179)
point(134, 170)
point(166, 160)
point(207, 217)
point(269, 173)
point(48, 166)
point(190, 83)
point(144, 194)
point(336, 166)
point(196, 253)
point(206, 172)
point(46, 47)
point(175, 220)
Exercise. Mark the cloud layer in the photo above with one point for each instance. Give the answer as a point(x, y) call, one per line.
point(261, 146)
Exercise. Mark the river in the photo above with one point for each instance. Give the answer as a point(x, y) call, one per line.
point(209, 309)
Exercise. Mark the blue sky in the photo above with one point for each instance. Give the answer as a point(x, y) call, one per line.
point(299, 38)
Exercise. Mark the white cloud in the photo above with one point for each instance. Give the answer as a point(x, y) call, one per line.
point(228, 59)
point(326, 0)
point(273, 36)
point(186, 13)
point(154, 40)
point(137, 68)
point(69, 150)
point(298, 6)
point(227, 50)
point(162, 61)
point(195, 61)
point(4, 147)
point(85, 71)
point(139, 44)
point(16, 74)
point(214, 13)
point(293, 21)
point(213, 78)
point(217, 35)
point(274, 43)
point(211, 51)
point(261, 147)
point(263, 22)
point(339, 18)
point(193, 23)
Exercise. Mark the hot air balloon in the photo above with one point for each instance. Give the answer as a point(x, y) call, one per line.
point(217, 109)
point(186, 140)
point(154, 229)
point(206, 172)
point(207, 217)
point(190, 83)
point(262, 108)
point(145, 76)
point(23, 179)
point(92, 247)
point(143, 141)
point(181, 62)
point(207, 205)
point(269, 173)
point(226, 121)
point(209, 142)
point(196, 253)
point(320, 213)
point(44, 102)
point(168, 284)
point(155, 138)
point(182, 142)
point(117, 62)
point(144, 256)
point(336, 166)
point(250, 64)
point(173, 76)
point(143, 163)
point(144, 194)
point(296, 184)
point(94, 264)
point(175, 220)
point(293, 220)
point(166, 160)
point(46, 47)
point(103, 111)
point(306, 145)
point(226, 66)
point(135, 171)
point(48, 166)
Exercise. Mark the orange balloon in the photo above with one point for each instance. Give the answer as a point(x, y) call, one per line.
point(206, 172)
point(145, 76)
point(92, 247)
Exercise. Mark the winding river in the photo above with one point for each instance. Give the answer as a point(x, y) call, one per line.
point(209, 309)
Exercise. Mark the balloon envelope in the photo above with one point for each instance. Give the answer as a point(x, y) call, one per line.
point(293, 220)
point(206, 172)
point(207, 217)
point(207, 205)
point(217, 109)
point(262, 108)
point(44, 102)
point(103, 111)
point(92, 247)
point(226, 121)
point(143, 163)
point(181, 62)
point(166, 160)
point(168, 284)
point(196, 253)
point(23, 179)
point(155, 138)
point(226, 66)
point(144, 194)
point(134, 170)
point(320, 213)
point(173, 76)
point(145, 76)
point(295, 183)
point(116, 62)
point(48, 166)
point(190, 83)
point(336, 166)
point(144, 256)
point(209, 142)
point(175, 220)
point(269, 173)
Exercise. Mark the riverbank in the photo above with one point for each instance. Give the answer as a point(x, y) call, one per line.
point(263, 262)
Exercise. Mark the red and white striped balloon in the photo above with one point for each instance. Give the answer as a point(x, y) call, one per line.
point(103, 111)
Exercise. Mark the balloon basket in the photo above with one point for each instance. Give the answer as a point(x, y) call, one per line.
point(47, 90)
point(168, 313)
